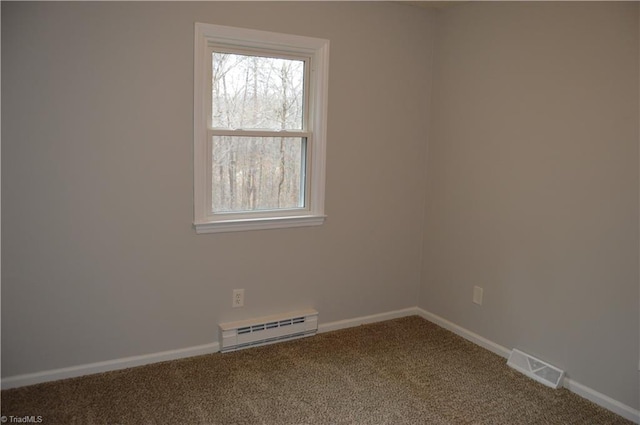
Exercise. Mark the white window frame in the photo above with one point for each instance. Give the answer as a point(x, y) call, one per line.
point(317, 51)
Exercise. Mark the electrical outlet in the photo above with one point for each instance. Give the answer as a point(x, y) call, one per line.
point(238, 298)
point(477, 295)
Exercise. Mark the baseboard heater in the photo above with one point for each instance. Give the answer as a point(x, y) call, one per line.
point(267, 330)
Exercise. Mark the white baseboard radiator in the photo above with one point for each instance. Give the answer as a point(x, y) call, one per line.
point(267, 330)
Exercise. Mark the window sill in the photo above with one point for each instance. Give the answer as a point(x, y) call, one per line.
point(259, 224)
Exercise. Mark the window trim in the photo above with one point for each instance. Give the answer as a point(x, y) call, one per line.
point(318, 52)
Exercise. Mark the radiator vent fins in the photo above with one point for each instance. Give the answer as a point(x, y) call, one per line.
point(267, 330)
point(270, 325)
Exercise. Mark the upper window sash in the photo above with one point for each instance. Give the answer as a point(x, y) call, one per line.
point(272, 54)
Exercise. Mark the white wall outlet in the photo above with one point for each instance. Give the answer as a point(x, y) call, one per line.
point(477, 295)
point(238, 298)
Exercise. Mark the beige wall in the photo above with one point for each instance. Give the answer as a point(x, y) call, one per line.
point(533, 183)
point(99, 257)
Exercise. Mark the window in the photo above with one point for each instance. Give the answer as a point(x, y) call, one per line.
point(260, 102)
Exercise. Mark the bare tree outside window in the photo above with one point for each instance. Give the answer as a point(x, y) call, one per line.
point(257, 93)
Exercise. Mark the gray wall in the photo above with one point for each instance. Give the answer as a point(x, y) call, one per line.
point(99, 257)
point(533, 183)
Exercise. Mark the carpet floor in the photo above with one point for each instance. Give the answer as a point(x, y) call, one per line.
point(402, 371)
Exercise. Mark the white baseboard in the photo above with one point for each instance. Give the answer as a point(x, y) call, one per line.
point(465, 333)
point(590, 394)
point(357, 321)
point(600, 399)
point(106, 366)
point(127, 362)
point(71, 372)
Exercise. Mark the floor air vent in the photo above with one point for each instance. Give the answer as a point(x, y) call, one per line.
point(537, 369)
point(267, 330)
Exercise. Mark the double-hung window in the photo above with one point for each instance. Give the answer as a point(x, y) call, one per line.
point(260, 104)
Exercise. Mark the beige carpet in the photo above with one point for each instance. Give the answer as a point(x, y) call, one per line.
point(404, 371)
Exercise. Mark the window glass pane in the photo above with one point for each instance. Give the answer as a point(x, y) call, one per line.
point(253, 92)
point(257, 173)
